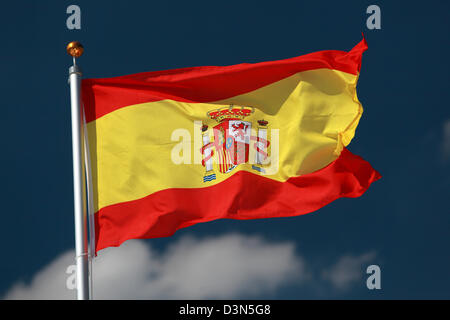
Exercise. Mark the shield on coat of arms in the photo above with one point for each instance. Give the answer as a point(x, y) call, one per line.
point(233, 140)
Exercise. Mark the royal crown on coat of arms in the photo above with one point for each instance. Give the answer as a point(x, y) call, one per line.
point(231, 112)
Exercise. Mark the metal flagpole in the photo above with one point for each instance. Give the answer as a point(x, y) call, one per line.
point(75, 49)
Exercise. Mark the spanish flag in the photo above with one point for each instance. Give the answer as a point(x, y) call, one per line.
point(170, 149)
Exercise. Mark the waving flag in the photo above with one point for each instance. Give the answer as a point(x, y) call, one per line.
point(170, 149)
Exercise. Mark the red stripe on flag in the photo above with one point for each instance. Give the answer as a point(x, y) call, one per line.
point(207, 84)
point(242, 196)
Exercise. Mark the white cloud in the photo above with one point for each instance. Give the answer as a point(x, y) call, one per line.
point(49, 283)
point(228, 266)
point(446, 140)
point(347, 271)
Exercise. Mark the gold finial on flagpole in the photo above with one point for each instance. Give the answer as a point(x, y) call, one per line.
point(75, 49)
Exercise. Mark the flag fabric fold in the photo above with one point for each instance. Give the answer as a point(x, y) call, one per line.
point(170, 149)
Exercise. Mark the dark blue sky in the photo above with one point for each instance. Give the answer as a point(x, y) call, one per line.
point(404, 88)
